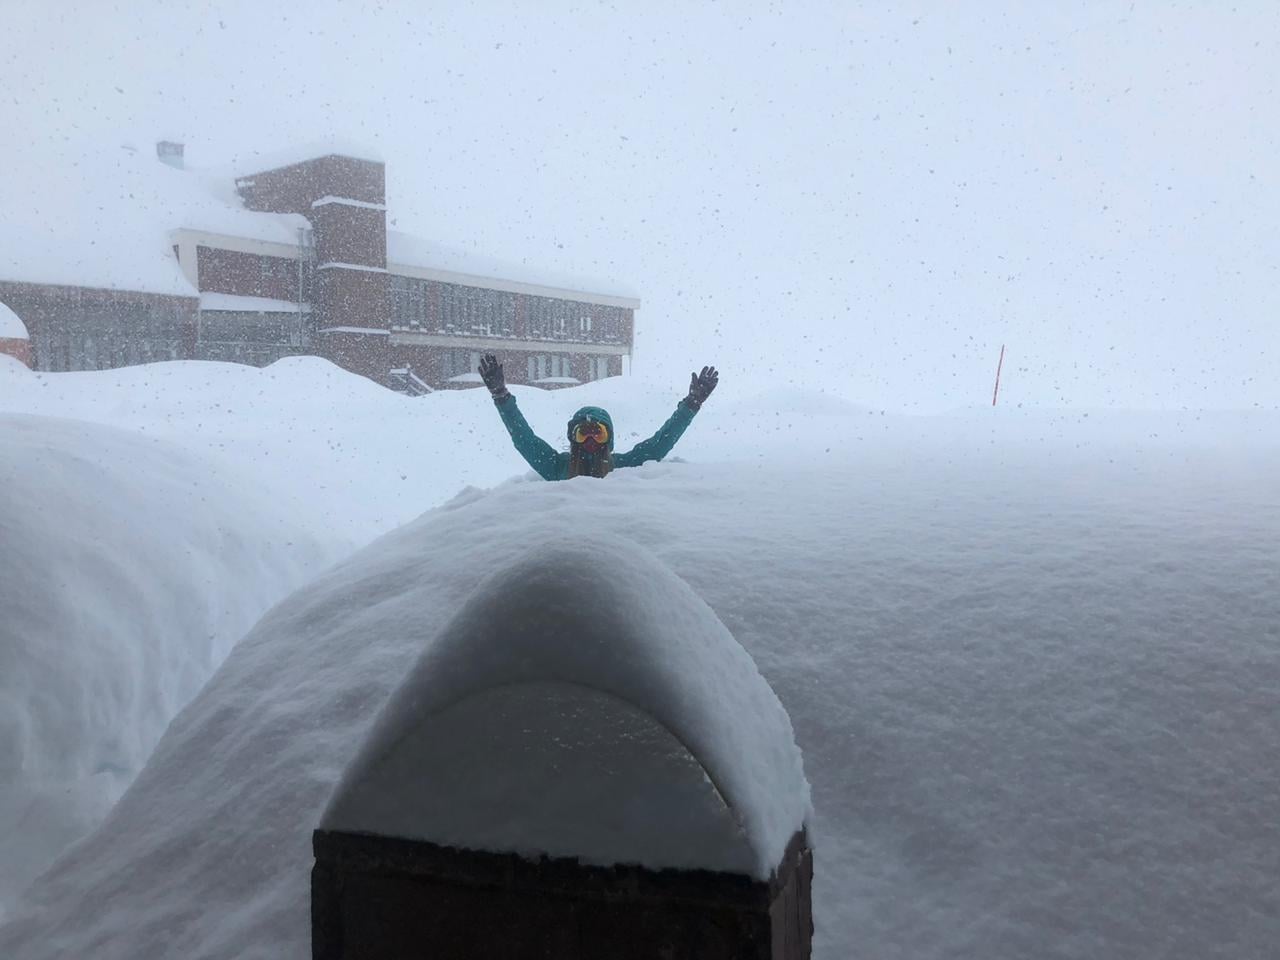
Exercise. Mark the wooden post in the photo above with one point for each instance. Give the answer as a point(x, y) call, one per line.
point(996, 392)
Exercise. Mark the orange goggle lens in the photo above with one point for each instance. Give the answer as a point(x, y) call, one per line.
point(591, 429)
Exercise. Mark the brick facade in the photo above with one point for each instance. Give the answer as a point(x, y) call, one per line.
point(20, 350)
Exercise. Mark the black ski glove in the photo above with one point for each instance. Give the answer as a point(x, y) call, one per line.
point(700, 387)
point(491, 374)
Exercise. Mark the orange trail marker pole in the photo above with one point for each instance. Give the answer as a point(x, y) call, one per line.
point(995, 393)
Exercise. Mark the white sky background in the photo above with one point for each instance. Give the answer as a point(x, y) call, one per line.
point(868, 199)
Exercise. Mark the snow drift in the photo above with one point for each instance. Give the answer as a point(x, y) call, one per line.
point(1035, 690)
point(128, 568)
point(589, 706)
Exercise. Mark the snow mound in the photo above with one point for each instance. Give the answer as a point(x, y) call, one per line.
point(12, 367)
point(587, 706)
point(128, 570)
point(11, 325)
point(795, 403)
point(1036, 700)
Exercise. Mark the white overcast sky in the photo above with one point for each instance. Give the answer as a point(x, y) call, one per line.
point(864, 198)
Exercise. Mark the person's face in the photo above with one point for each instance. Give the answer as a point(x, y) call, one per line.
point(591, 435)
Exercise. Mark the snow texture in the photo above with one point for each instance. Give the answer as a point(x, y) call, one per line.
point(128, 569)
point(589, 706)
point(11, 325)
point(1031, 657)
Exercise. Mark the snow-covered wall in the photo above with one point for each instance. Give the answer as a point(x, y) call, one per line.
point(128, 568)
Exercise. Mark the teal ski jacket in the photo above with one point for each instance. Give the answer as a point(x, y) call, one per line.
point(553, 465)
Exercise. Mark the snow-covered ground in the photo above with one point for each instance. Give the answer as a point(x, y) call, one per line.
point(1030, 659)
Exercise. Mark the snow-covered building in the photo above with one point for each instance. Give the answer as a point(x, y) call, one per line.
point(149, 261)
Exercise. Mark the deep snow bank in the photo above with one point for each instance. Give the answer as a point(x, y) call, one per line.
point(128, 568)
point(1035, 694)
point(584, 705)
point(355, 459)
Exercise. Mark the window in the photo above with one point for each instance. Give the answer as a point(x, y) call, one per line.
point(457, 363)
point(542, 367)
point(451, 306)
point(584, 324)
point(538, 319)
point(408, 302)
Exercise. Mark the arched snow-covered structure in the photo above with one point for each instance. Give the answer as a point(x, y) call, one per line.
point(586, 705)
point(584, 763)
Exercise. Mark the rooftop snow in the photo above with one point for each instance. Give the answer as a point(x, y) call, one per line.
point(248, 162)
point(406, 250)
point(102, 217)
point(687, 759)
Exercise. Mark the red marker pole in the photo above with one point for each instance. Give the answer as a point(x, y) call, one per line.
point(995, 393)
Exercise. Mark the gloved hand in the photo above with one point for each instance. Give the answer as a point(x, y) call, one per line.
point(491, 374)
point(700, 387)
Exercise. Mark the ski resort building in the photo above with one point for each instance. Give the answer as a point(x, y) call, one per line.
point(293, 259)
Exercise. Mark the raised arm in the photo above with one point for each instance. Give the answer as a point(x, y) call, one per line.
point(660, 444)
point(537, 452)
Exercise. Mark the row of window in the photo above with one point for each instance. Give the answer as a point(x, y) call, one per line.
point(456, 363)
point(476, 311)
point(103, 336)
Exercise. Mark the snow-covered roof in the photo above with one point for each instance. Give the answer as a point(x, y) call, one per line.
point(405, 252)
point(102, 215)
point(236, 302)
point(586, 705)
point(248, 162)
point(472, 377)
point(11, 325)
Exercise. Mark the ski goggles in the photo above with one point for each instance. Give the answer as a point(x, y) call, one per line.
point(593, 429)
